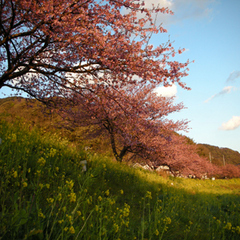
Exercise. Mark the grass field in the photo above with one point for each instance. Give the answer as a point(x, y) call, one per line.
point(44, 194)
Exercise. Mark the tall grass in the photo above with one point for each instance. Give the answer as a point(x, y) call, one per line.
point(45, 195)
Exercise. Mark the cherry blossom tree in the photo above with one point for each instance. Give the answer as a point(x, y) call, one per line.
point(94, 58)
point(48, 48)
point(136, 121)
point(228, 171)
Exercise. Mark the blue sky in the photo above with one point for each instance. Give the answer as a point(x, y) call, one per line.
point(209, 31)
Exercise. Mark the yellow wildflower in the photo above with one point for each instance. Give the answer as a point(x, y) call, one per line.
point(167, 220)
point(59, 197)
point(72, 230)
point(41, 161)
point(149, 195)
point(69, 217)
point(115, 227)
point(40, 214)
point(52, 152)
point(70, 184)
point(13, 137)
point(24, 184)
point(228, 226)
point(126, 210)
point(15, 174)
point(50, 200)
point(72, 197)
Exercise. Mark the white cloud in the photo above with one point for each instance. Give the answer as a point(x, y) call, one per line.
point(225, 90)
point(167, 91)
point(232, 124)
point(233, 75)
point(183, 9)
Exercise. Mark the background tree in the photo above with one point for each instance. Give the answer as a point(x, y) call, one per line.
point(48, 48)
point(135, 119)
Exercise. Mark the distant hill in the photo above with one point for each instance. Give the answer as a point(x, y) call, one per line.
point(35, 114)
point(219, 156)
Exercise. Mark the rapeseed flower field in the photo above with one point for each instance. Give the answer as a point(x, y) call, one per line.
point(45, 194)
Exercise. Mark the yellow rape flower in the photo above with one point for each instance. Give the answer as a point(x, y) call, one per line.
point(72, 230)
point(149, 195)
point(52, 153)
point(50, 200)
point(115, 227)
point(15, 174)
point(167, 220)
point(40, 214)
point(70, 184)
point(13, 137)
point(24, 184)
point(59, 197)
point(69, 217)
point(41, 161)
point(72, 197)
point(228, 226)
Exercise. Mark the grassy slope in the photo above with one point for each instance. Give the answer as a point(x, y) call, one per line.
point(45, 195)
point(34, 113)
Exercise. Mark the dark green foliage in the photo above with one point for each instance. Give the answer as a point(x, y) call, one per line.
point(219, 156)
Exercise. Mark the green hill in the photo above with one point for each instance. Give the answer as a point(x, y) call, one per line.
point(219, 156)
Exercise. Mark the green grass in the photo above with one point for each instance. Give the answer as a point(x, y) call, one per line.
point(45, 195)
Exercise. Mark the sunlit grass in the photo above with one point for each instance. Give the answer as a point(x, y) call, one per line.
point(44, 194)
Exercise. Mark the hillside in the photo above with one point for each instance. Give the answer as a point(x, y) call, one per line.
point(37, 115)
point(45, 194)
point(219, 156)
